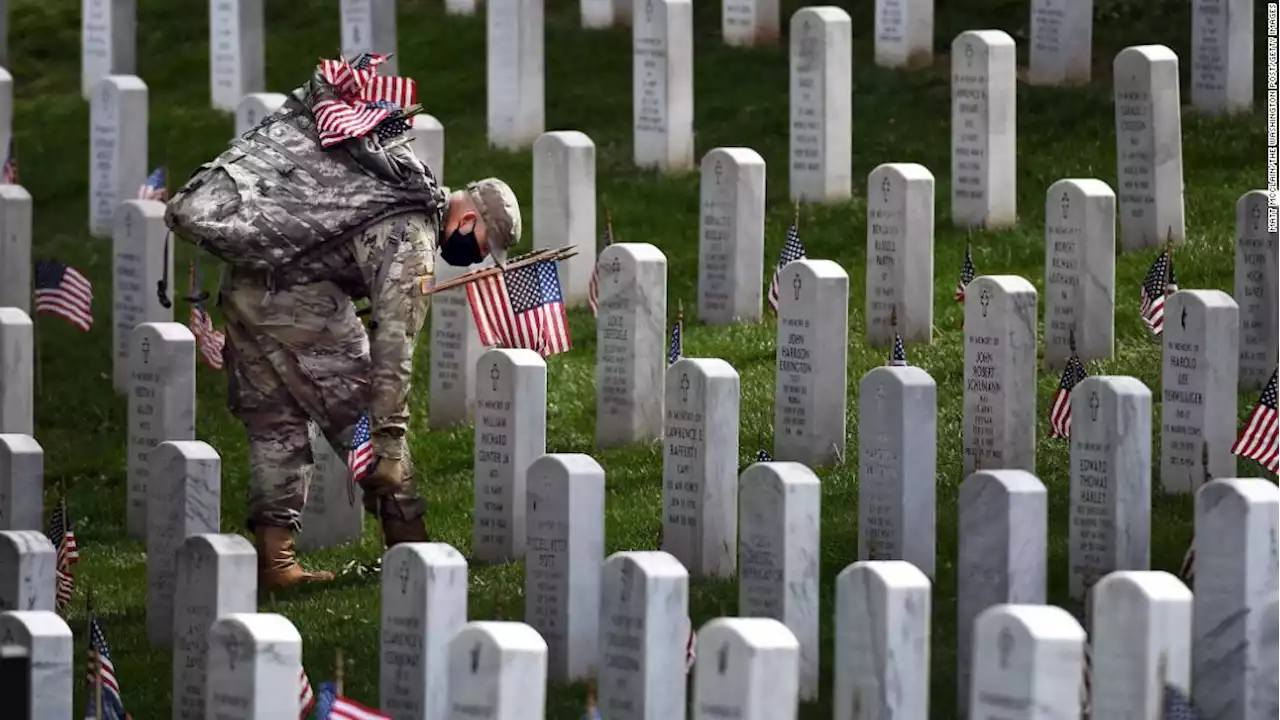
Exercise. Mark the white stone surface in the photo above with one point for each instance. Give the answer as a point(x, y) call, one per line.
point(662, 85)
point(455, 349)
point(899, 253)
point(15, 245)
point(514, 72)
point(564, 205)
point(255, 107)
point(731, 236)
point(17, 372)
point(237, 52)
point(21, 483)
point(44, 639)
point(27, 565)
point(428, 145)
point(631, 344)
point(1061, 40)
point(117, 147)
point(1257, 290)
point(497, 670)
point(370, 26)
point(108, 31)
point(1148, 146)
point(984, 129)
point(1222, 56)
point(1079, 271)
point(1027, 656)
point(821, 100)
point(461, 7)
point(744, 23)
point(254, 663)
point(748, 669)
point(904, 33)
point(142, 253)
point(334, 513)
point(162, 406)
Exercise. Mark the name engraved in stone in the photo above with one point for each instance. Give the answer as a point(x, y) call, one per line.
point(886, 233)
point(1135, 161)
point(969, 139)
point(1209, 72)
point(547, 554)
point(97, 31)
point(806, 107)
point(402, 652)
point(880, 479)
point(1063, 283)
point(446, 341)
point(684, 434)
point(1091, 532)
point(492, 457)
point(615, 359)
point(624, 642)
point(891, 14)
point(717, 239)
point(760, 572)
point(1047, 20)
point(651, 57)
point(985, 378)
point(1183, 412)
point(224, 55)
point(797, 387)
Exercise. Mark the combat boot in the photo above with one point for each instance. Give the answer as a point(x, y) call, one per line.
point(278, 567)
point(397, 530)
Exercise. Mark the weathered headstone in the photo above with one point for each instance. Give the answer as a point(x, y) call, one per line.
point(565, 515)
point(813, 329)
point(162, 405)
point(27, 564)
point(428, 144)
point(1237, 520)
point(1079, 271)
point(904, 33)
point(749, 668)
point(17, 372)
point(237, 51)
point(882, 641)
point(255, 107)
point(455, 349)
point(255, 660)
point(779, 544)
point(15, 247)
point(662, 84)
point(1141, 627)
point(108, 30)
point(1198, 388)
point(1257, 290)
point(897, 466)
point(461, 7)
point(1267, 686)
point(899, 253)
point(631, 344)
point(984, 128)
point(1000, 374)
point(333, 514)
point(117, 147)
point(644, 600)
point(821, 137)
point(424, 603)
point(44, 640)
point(6, 95)
point(214, 575)
point(184, 497)
point(1061, 41)
point(143, 265)
point(1027, 656)
point(21, 483)
point(1222, 56)
point(1002, 553)
point(497, 670)
point(744, 23)
point(731, 236)
point(564, 205)
point(1110, 511)
point(369, 26)
point(1148, 146)
point(515, 73)
point(511, 432)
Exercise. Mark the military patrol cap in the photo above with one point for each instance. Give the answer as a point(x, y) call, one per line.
point(500, 212)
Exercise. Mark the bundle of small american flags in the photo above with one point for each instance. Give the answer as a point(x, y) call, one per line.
point(210, 340)
point(155, 187)
point(68, 554)
point(102, 672)
point(62, 290)
point(793, 250)
point(364, 100)
point(593, 287)
point(522, 308)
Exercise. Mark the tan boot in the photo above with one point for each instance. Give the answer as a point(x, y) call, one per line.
point(278, 566)
point(396, 531)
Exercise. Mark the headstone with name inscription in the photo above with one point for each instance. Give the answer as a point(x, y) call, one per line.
point(254, 662)
point(1267, 685)
point(744, 23)
point(142, 271)
point(644, 601)
point(334, 514)
point(369, 26)
point(237, 51)
point(44, 640)
point(749, 668)
point(904, 33)
point(498, 671)
point(424, 604)
point(899, 253)
point(564, 205)
point(254, 108)
point(999, 374)
point(511, 432)
point(15, 247)
point(565, 516)
point(108, 30)
point(1110, 510)
point(1061, 40)
point(662, 85)
point(1141, 627)
point(162, 406)
point(1222, 56)
point(1079, 271)
point(1148, 146)
point(731, 236)
point(27, 562)
point(1257, 290)
point(1002, 553)
point(17, 372)
point(897, 466)
point(700, 466)
point(821, 137)
point(214, 575)
point(882, 641)
point(21, 482)
point(779, 547)
point(1237, 521)
point(117, 147)
point(1027, 656)
point(455, 349)
point(428, 144)
point(515, 76)
point(1198, 388)
point(631, 344)
point(984, 127)
point(812, 351)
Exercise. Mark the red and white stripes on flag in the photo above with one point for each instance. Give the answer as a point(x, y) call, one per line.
point(1260, 438)
point(344, 709)
point(1060, 411)
point(522, 308)
point(210, 340)
point(306, 698)
point(62, 290)
point(350, 115)
point(337, 120)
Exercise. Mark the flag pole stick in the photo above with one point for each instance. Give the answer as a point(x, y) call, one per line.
point(338, 670)
point(35, 348)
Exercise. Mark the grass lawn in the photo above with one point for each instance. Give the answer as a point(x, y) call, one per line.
point(741, 100)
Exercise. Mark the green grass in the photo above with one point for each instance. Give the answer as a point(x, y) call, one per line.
point(741, 99)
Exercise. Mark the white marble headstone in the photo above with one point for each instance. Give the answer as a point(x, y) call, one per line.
point(15, 247)
point(117, 147)
point(455, 349)
point(821, 101)
point(27, 565)
point(45, 640)
point(17, 372)
point(731, 236)
point(1079, 271)
point(461, 7)
point(515, 76)
point(597, 14)
point(370, 26)
point(237, 51)
point(255, 107)
point(662, 84)
point(904, 33)
point(1257, 290)
point(497, 671)
point(744, 23)
point(1222, 55)
point(428, 144)
point(334, 514)
point(255, 660)
point(108, 30)
point(143, 259)
point(999, 374)
point(631, 344)
point(1148, 146)
point(21, 483)
point(6, 93)
point(748, 668)
point(1061, 39)
point(564, 205)
point(1266, 693)
point(899, 253)
point(1027, 656)
point(984, 127)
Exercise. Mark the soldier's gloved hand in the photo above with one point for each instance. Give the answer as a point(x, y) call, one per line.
point(386, 477)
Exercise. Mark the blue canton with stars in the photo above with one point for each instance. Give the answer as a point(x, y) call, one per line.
point(391, 127)
point(533, 286)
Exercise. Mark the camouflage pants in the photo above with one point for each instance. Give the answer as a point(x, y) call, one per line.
point(294, 356)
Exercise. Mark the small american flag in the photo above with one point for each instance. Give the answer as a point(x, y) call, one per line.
point(337, 120)
point(690, 648)
point(593, 288)
point(793, 250)
point(1258, 441)
point(10, 172)
point(364, 99)
point(1060, 408)
point(967, 273)
point(211, 340)
point(64, 540)
point(1187, 571)
point(522, 308)
point(392, 127)
point(62, 290)
point(1154, 290)
point(675, 349)
point(369, 61)
point(100, 666)
point(332, 706)
point(899, 358)
point(360, 458)
point(155, 187)
point(306, 698)
point(1177, 706)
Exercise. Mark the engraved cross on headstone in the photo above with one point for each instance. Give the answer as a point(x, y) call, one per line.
point(1256, 213)
point(232, 643)
point(494, 374)
point(885, 186)
point(968, 55)
point(1093, 406)
point(403, 574)
point(797, 283)
point(146, 350)
point(475, 658)
point(719, 170)
point(1066, 205)
point(1184, 317)
point(1005, 643)
point(648, 10)
point(985, 300)
point(722, 661)
point(128, 224)
point(615, 267)
point(684, 387)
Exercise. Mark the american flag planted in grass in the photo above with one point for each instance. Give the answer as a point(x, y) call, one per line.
point(1060, 409)
point(793, 250)
point(593, 287)
point(967, 273)
point(1159, 283)
point(62, 290)
point(1259, 440)
point(101, 666)
point(68, 553)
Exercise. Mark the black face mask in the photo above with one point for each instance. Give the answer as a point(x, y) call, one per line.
point(462, 249)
